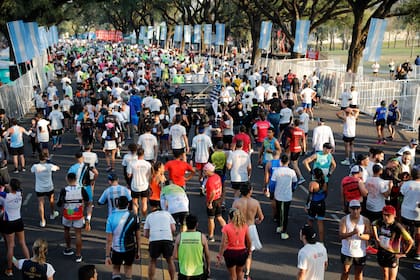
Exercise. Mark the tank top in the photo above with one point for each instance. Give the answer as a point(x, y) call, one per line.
point(392, 112)
point(323, 161)
point(350, 187)
point(319, 195)
point(190, 254)
point(268, 144)
point(154, 190)
point(34, 270)
point(354, 246)
point(73, 203)
point(296, 134)
point(16, 139)
point(349, 127)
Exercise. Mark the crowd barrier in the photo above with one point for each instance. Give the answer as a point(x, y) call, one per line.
point(16, 97)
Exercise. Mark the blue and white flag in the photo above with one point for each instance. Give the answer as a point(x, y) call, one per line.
point(54, 31)
point(301, 36)
point(178, 33)
point(142, 35)
point(163, 31)
point(220, 34)
point(373, 48)
point(207, 34)
point(150, 32)
point(33, 33)
point(265, 35)
point(197, 34)
point(43, 38)
point(157, 32)
point(19, 39)
point(187, 33)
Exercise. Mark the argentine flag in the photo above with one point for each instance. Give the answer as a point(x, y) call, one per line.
point(21, 44)
point(373, 48)
point(301, 36)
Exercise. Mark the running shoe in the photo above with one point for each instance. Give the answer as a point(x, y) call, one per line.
point(68, 252)
point(260, 166)
point(345, 162)
point(202, 190)
point(416, 266)
point(79, 259)
point(54, 215)
point(16, 171)
point(42, 224)
point(371, 250)
point(279, 229)
point(211, 239)
point(284, 236)
point(9, 272)
point(23, 169)
point(301, 181)
point(417, 257)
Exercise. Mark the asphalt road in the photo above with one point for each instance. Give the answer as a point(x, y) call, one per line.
point(277, 259)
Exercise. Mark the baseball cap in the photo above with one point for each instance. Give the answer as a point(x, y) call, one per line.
point(356, 169)
point(414, 141)
point(309, 233)
point(354, 203)
point(389, 209)
point(209, 167)
point(112, 177)
point(299, 109)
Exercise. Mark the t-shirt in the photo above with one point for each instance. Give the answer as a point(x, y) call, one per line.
point(213, 184)
point(141, 171)
point(148, 142)
point(296, 134)
point(90, 158)
point(31, 270)
point(286, 115)
point(43, 176)
point(235, 236)
point(376, 186)
point(246, 140)
point(312, 259)
point(11, 205)
point(201, 143)
point(42, 129)
point(111, 196)
point(240, 161)
point(381, 113)
point(409, 208)
point(123, 226)
point(177, 132)
point(284, 178)
point(159, 223)
point(176, 169)
point(262, 128)
point(306, 94)
point(345, 99)
point(304, 120)
point(55, 118)
point(322, 134)
point(350, 187)
point(174, 199)
point(218, 158)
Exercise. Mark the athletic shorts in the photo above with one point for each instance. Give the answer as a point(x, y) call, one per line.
point(57, 132)
point(216, 211)
point(380, 122)
point(164, 137)
point(43, 145)
point(73, 223)
point(307, 105)
point(17, 151)
point(88, 189)
point(343, 108)
point(126, 258)
point(351, 260)
point(13, 226)
point(348, 139)
point(196, 277)
point(235, 257)
point(47, 194)
point(66, 115)
point(410, 223)
point(373, 216)
point(294, 156)
point(161, 247)
point(386, 259)
point(180, 217)
point(238, 185)
point(353, 106)
point(391, 122)
point(135, 194)
point(316, 210)
point(199, 165)
point(227, 139)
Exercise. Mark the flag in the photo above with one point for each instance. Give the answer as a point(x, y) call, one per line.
point(207, 34)
point(163, 30)
point(157, 32)
point(373, 48)
point(187, 33)
point(35, 42)
point(20, 41)
point(265, 35)
point(150, 32)
point(197, 34)
point(178, 33)
point(220, 34)
point(43, 38)
point(301, 36)
point(54, 34)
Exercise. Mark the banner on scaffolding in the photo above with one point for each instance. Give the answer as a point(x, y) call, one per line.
point(373, 48)
point(265, 35)
point(301, 36)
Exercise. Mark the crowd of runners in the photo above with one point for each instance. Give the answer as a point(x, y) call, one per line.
point(130, 103)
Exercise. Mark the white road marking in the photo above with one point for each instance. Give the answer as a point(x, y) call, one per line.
point(28, 197)
point(335, 217)
point(303, 189)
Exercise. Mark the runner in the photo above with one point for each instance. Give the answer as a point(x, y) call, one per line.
point(112, 194)
point(179, 171)
point(201, 147)
point(349, 117)
point(239, 164)
point(296, 143)
point(392, 118)
point(174, 199)
point(379, 121)
point(322, 134)
point(323, 160)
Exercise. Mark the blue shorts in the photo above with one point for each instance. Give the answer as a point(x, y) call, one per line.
point(307, 105)
point(89, 192)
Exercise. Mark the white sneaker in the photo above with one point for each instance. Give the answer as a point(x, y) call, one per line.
point(279, 229)
point(345, 162)
point(284, 236)
point(42, 224)
point(301, 181)
point(54, 215)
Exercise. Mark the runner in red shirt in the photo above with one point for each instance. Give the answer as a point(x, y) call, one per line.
point(242, 135)
point(296, 142)
point(177, 168)
point(352, 187)
point(213, 199)
point(260, 129)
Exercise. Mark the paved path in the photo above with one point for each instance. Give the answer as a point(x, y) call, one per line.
point(278, 258)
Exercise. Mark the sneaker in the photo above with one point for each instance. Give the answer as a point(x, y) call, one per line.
point(9, 272)
point(16, 171)
point(68, 252)
point(278, 230)
point(23, 169)
point(416, 266)
point(345, 162)
point(54, 215)
point(371, 250)
point(301, 181)
point(211, 239)
point(109, 168)
point(260, 166)
point(143, 220)
point(383, 141)
point(42, 224)
point(417, 257)
point(284, 236)
point(202, 191)
point(79, 259)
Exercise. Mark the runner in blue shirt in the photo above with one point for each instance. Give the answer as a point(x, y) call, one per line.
point(112, 194)
point(379, 119)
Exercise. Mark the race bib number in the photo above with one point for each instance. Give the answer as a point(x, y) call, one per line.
point(384, 241)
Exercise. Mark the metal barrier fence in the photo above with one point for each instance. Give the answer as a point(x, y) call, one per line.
point(16, 97)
